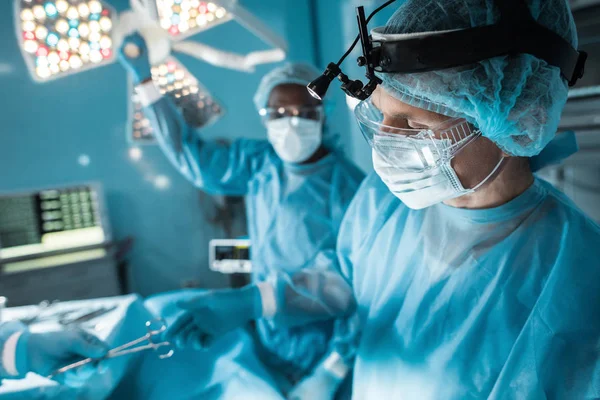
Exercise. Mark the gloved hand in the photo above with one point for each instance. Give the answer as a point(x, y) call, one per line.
point(212, 314)
point(135, 61)
point(49, 351)
point(322, 384)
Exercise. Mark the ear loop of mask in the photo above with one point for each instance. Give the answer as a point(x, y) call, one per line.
point(489, 176)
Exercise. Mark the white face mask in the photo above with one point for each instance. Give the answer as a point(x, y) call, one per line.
point(294, 139)
point(424, 188)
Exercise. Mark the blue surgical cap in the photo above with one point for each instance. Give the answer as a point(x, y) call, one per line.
point(516, 101)
point(298, 73)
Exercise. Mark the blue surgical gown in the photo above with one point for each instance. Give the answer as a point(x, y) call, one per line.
point(500, 303)
point(294, 212)
point(16, 354)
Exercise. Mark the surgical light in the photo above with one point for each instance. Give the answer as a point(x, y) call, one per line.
point(52, 39)
point(53, 57)
point(42, 52)
point(220, 13)
point(94, 26)
point(62, 26)
point(28, 26)
point(82, 34)
point(50, 9)
point(84, 10)
point(42, 62)
point(43, 72)
point(188, 17)
point(27, 15)
point(63, 45)
point(198, 107)
point(84, 30)
point(105, 24)
point(64, 65)
point(74, 43)
point(94, 38)
point(95, 7)
point(105, 42)
point(75, 62)
point(95, 56)
point(39, 12)
point(62, 6)
point(30, 46)
point(41, 32)
point(84, 49)
point(56, 36)
point(72, 13)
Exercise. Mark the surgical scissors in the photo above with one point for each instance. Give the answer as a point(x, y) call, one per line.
point(154, 327)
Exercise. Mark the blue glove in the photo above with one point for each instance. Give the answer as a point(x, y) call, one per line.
point(49, 351)
point(322, 384)
point(212, 314)
point(138, 65)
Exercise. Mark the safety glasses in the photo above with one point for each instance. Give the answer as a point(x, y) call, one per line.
point(413, 149)
point(315, 113)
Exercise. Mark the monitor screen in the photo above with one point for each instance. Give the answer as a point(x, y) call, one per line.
point(50, 220)
point(230, 256)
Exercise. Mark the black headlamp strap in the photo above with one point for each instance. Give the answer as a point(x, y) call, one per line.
point(513, 10)
point(541, 42)
point(515, 33)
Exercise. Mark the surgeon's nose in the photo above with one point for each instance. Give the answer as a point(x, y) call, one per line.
point(391, 125)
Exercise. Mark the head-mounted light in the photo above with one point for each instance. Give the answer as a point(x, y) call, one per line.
point(516, 32)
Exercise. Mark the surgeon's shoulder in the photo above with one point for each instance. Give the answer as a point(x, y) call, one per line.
point(569, 216)
point(572, 300)
point(352, 174)
point(252, 146)
point(255, 151)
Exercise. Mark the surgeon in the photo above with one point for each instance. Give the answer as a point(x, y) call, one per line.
point(23, 351)
point(297, 186)
point(474, 278)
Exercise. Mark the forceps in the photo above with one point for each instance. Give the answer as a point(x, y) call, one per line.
point(154, 327)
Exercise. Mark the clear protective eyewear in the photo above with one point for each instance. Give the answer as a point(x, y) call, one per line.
point(413, 149)
point(315, 113)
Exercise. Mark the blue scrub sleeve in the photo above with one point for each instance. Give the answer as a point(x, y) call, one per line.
point(216, 168)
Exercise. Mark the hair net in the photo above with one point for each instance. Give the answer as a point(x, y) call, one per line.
point(516, 101)
point(301, 74)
